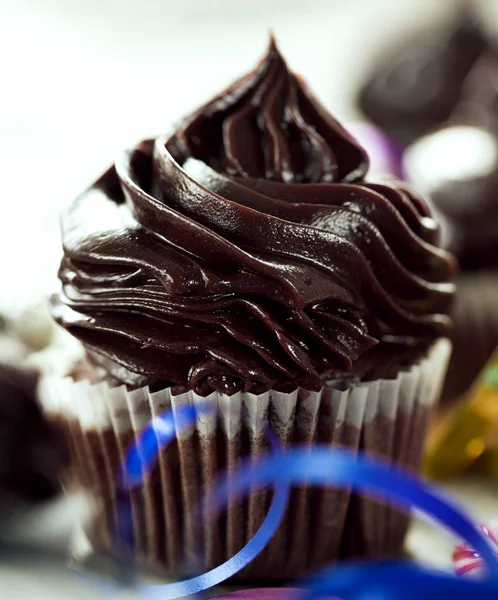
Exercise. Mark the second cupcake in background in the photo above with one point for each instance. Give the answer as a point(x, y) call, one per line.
point(245, 261)
point(457, 167)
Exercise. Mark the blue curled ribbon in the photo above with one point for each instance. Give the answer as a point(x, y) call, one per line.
point(322, 465)
point(394, 581)
point(319, 465)
point(156, 435)
point(140, 459)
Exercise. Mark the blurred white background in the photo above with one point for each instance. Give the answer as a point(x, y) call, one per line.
point(82, 79)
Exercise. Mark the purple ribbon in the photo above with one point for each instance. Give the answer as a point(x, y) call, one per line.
point(319, 465)
point(384, 153)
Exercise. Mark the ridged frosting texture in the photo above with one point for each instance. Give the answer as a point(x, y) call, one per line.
point(246, 251)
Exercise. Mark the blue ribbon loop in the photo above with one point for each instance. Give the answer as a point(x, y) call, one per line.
point(322, 465)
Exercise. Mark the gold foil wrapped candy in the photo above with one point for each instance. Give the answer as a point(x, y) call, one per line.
point(466, 437)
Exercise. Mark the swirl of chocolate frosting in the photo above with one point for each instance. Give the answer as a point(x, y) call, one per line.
point(246, 252)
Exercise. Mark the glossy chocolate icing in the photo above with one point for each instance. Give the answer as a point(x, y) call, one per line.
point(245, 251)
point(32, 451)
point(416, 86)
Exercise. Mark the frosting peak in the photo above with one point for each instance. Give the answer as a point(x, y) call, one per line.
point(268, 125)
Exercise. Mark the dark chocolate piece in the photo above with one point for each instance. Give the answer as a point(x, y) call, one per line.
point(418, 84)
point(32, 450)
point(246, 251)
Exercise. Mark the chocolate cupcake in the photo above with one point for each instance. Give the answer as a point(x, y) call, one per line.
point(244, 260)
point(457, 167)
point(415, 87)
